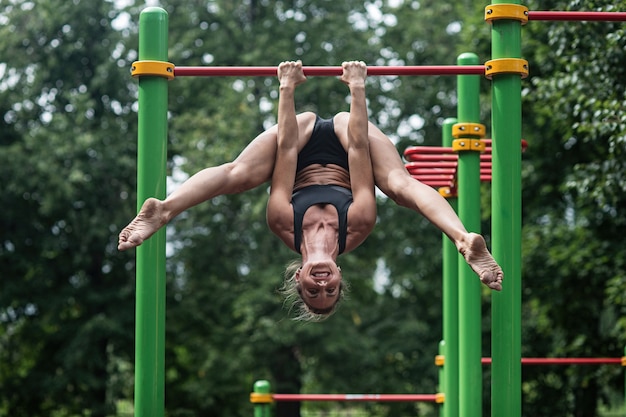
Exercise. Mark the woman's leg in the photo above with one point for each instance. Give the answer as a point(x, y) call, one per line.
point(393, 179)
point(252, 167)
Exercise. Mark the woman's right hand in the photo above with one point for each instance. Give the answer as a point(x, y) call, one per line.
point(290, 73)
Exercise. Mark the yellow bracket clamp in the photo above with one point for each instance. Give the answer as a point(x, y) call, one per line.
point(154, 68)
point(447, 192)
point(468, 145)
point(464, 130)
point(506, 66)
point(440, 360)
point(506, 11)
point(257, 398)
point(440, 398)
point(623, 360)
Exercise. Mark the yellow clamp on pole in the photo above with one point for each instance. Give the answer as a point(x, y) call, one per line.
point(467, 144)
point(623, 360)
point(447, 192)
point(440, 360)
point(257, 398)
point(506, 11)
point(440, 398)
point(153, 68)
point(472, 130)
point(506, 66)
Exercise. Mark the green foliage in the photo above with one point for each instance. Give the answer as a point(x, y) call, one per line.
point(573, 186)
point(65, 293)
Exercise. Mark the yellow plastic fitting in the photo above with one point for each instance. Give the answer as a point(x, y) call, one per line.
point(257, 398)
point(440, 360)
point(153, 68)
point(440, 398)
point(447, 192)
point(472, 130)
point(506, 66)
point(468, 144)
point(506, 11)
point(623, 360)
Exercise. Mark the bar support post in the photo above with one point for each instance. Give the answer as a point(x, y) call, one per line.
point(151, 181)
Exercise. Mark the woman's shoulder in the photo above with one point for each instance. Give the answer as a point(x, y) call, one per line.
point(307, 117)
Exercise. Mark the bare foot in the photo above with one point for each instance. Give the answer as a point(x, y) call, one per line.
point(148, 221)
point(475, 252)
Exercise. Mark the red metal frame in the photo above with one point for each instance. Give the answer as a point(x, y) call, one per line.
point(356, 397)
point(564, 361)
point(578, 16)
point(209, 71)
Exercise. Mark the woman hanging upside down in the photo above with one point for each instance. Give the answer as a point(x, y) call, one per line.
point(322, 200)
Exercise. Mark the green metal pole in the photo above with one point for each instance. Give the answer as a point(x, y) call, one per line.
point(450, 385)
point(151, 163)
point(262, 409)
point(506, 222)
point(441, 389)
point(470, 368)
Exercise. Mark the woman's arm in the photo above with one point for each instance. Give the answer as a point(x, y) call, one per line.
point(362, 212)
point(279, 210)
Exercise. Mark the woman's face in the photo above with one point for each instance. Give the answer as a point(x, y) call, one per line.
point(319, 284)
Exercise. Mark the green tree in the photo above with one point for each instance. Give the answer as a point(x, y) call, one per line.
point(65, 294)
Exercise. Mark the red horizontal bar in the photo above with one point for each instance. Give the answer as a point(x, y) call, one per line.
point(578, 16)
point(430, 164)
point(331, 71)
point(435, 183)
point(355, 397)
point(417, 157)
point(564, 361)
point(431, 171)
point(429, 149)
point(436, 178)
point(429, 157)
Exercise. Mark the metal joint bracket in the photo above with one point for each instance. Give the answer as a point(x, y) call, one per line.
point(506, 66)
point(472, 130)
point(153, 68)
point(506, 11)
point(463, 145)
point(258, 398)
point(440, 360)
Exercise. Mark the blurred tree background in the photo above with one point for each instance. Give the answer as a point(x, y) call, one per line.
point(68, 165)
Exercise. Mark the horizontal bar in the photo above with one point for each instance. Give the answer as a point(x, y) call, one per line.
point(564, 361)
point(410, 165)
point(430, 171)
point(440, 172)
point(433, 183)
point(431, 177)
point(436, 151)
point(578, 16)
point(429, 150)
point(356, 397)
point(330, 71)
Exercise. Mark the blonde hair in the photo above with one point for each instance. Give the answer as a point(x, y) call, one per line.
point(291, 290)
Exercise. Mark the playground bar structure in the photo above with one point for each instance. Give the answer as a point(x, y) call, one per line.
point(329, 71)
point(505, 69)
